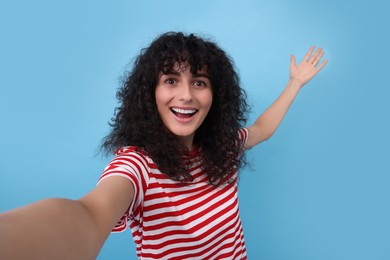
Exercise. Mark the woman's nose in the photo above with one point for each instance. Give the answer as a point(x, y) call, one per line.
point(185, 92)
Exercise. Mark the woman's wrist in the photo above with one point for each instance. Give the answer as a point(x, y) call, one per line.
point(293, 83)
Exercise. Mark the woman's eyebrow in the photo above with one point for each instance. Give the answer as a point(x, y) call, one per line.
point(177, 73)
point(171, 72)
point(201, 75)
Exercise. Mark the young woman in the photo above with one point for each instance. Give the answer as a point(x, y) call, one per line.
point(179, 141)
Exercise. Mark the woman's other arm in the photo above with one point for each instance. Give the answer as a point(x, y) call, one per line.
point(267, 123)
point(63, 228)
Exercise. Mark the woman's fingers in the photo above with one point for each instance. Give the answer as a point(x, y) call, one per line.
point(308, 54)
point(318, 58)
point(314, 57)
point(293, 61)
point(322, 65)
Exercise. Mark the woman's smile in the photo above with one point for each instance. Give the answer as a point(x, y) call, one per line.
point(184, 115)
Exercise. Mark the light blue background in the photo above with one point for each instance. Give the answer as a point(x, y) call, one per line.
point(319, 189)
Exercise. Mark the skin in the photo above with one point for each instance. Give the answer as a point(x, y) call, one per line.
point(179, 93)
point(77, 229)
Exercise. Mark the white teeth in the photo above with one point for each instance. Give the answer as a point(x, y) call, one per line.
point(183, 111)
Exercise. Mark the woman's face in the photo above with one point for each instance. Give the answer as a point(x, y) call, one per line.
point(183, 100)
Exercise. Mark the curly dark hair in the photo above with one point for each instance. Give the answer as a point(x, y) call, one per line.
point(137, 122)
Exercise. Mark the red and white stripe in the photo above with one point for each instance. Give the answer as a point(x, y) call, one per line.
point(172, 220)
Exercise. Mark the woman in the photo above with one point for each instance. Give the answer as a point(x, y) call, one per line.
point(179, 140)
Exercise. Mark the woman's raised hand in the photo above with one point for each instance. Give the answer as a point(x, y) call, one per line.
point(308, 68)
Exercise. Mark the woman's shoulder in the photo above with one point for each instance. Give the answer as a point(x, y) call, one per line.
point(133, 152)
point(127, 150)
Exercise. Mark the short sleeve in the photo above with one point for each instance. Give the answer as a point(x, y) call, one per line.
point(243, 138)
point(133, 166)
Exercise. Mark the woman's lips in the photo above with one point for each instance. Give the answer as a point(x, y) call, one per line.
point(183, 115)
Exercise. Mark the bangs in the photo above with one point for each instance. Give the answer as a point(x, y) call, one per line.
point(179, 63)
point(184, 51)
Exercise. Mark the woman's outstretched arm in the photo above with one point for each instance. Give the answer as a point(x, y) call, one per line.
point(63, 228)
point(267, 123)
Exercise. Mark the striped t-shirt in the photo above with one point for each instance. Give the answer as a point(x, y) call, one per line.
point(174, 220)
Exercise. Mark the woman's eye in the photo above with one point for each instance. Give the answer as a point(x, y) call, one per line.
point(200, 83)
point(170, 81)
